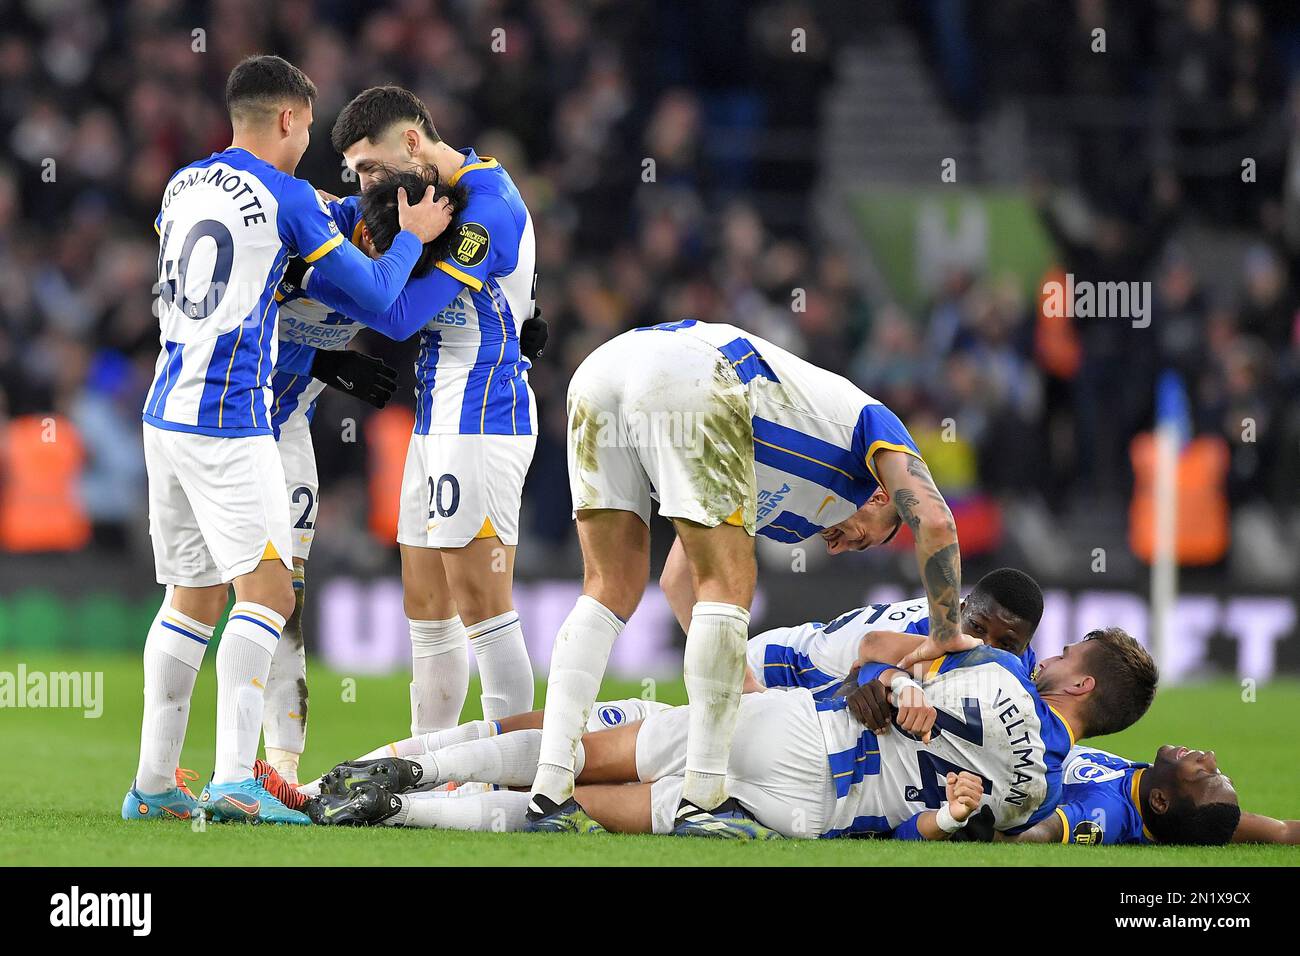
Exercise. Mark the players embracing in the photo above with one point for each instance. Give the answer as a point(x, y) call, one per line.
point(475, 416)
point(218, 512)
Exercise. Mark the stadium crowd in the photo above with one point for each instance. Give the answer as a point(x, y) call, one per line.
point(101, 102)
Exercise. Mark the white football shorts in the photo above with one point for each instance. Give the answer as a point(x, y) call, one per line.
point(460, 487)
point(653, 414)
point(777, 769)
point(217, 506)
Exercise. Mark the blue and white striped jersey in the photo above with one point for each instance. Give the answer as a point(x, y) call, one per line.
point(1099, 799)
point(227, 226)
point(815, 434)
point(820, 656)
point(470, 376)
point(991, 722)
point(307, 325)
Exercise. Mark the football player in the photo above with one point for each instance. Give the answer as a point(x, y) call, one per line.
point(735, 437)
point(475, 426)
point(218, 514)
point(1180, 797)
point(809, 769)
point(315, 337)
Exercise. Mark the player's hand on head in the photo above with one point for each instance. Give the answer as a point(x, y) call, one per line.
point(427, 218)
point(869, 705)
point(533, 335)
point(964, 791)
point(929, 650)
point(363, 376)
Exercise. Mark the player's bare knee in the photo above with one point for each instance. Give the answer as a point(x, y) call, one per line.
point(617, 591)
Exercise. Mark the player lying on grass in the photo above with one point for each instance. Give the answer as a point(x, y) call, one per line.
point(806, 768)
point(1181, 797)
point(315, 337)
point(1002, 610)
point(735, 437)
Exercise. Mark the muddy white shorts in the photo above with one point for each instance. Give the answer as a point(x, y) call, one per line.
point(777, 770)
point(657, 415)
point(217, 506)
point(460, 487)
point(300, 481)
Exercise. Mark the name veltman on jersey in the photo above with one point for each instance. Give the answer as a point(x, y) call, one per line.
point(475, 415)
point(305, 326)
point(807, 768)
point(1099, 799)
point(819, 656)
point(227, 226)
point(734, 429)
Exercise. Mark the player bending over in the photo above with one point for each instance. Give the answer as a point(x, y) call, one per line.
point(734, 436)
point(475, 431)
point(809, 769)
point(218, 514)
point(314, 352)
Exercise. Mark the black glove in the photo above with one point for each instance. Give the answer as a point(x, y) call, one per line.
point(368, 378)
point(978, 828)
point(294, 272)
point(533, 335)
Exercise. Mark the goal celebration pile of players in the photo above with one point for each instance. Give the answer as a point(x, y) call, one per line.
point(926, 719)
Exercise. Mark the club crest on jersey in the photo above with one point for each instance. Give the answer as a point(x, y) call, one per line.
point(612, 716)
point(1087, 833)
point(473, 245)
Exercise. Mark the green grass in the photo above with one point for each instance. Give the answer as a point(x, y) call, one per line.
point(69, 774)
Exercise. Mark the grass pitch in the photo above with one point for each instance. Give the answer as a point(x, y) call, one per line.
point(68, 776)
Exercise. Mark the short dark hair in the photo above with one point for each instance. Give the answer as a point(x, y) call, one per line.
point(1015, 591)
point(259, 84)
point(379, 210)
point(1210, 824)
point(372, 111)
point(1125, 677)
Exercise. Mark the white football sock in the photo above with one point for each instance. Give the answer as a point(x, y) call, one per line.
point(508, 760)
point(502, 811)
point(284, 720)
point(503, 666)
point(173, 654)
point(440, 674)
point(714, 669)
point(434, 740)
point(578, 662)
point(243, 662)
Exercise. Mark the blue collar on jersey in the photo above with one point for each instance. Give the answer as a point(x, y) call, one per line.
point(473, 161)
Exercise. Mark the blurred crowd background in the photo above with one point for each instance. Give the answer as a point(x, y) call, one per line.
point(1133, 170)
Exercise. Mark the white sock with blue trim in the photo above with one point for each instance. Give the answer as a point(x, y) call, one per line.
point(503, 665)
point(243, 662)
point(173, 654)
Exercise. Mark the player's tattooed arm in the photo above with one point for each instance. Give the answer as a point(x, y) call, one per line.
point(925, 511)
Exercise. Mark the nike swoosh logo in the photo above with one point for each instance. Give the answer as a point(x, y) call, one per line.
point(249, 808)
point(829, 499)
point(294, 716)
point(346, 384)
